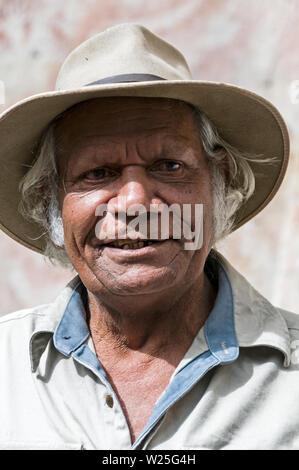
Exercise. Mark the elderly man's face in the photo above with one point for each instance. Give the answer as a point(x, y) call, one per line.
point(142, 151)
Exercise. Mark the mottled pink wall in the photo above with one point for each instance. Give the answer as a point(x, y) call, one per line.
point(252, 44)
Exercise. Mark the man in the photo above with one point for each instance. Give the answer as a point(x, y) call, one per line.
point(153, 345)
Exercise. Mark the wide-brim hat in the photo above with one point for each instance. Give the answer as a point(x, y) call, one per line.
point(129, 60)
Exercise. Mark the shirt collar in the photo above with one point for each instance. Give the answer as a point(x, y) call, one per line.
point(46, 323)
point(257, 321)
point(240, 316)
point(72, 329)
point(220, 326)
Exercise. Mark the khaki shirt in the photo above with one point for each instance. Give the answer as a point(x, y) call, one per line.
point(237, 386)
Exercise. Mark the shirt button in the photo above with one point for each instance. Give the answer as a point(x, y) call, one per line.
point(109, 401)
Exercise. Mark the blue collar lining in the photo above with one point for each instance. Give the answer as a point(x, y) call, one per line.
point(72, 329)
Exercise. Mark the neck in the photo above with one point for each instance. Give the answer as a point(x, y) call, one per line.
point(153, 327)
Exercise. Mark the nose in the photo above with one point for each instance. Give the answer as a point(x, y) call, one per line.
point(135, 188)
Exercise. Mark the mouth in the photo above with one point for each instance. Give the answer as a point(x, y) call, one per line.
point(129, 244)
point(135, 251)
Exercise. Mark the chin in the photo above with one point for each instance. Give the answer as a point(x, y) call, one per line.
point(141, 283)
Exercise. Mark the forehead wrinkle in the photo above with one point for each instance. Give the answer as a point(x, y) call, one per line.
point(98, 136)
point(114, 138)
point(164, 133)
point(175, 140)
point(81, 141)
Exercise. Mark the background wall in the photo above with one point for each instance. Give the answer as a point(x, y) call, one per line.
point(251, 44)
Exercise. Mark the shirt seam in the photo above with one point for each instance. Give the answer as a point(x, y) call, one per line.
point(7, 320)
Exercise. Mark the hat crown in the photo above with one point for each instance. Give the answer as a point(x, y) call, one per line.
point(121, 50)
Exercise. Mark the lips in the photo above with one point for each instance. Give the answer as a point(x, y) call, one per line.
point(157, 253)
point(130, 244)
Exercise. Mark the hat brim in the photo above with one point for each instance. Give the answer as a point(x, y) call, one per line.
point(243, 118)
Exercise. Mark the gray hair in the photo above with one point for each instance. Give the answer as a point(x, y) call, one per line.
point(39, 187)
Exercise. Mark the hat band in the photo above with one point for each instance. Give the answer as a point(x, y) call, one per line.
point(126, 78)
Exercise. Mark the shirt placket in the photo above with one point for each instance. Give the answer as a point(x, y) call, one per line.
point(115, 423)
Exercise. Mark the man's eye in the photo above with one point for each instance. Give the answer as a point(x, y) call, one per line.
point(167, 165)
point(98, 174)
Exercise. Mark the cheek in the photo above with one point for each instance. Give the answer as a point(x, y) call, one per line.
point(202, 194)
point(78, 214)
point(196, 193)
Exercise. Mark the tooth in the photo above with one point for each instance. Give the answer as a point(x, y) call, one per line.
point(131, 246)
